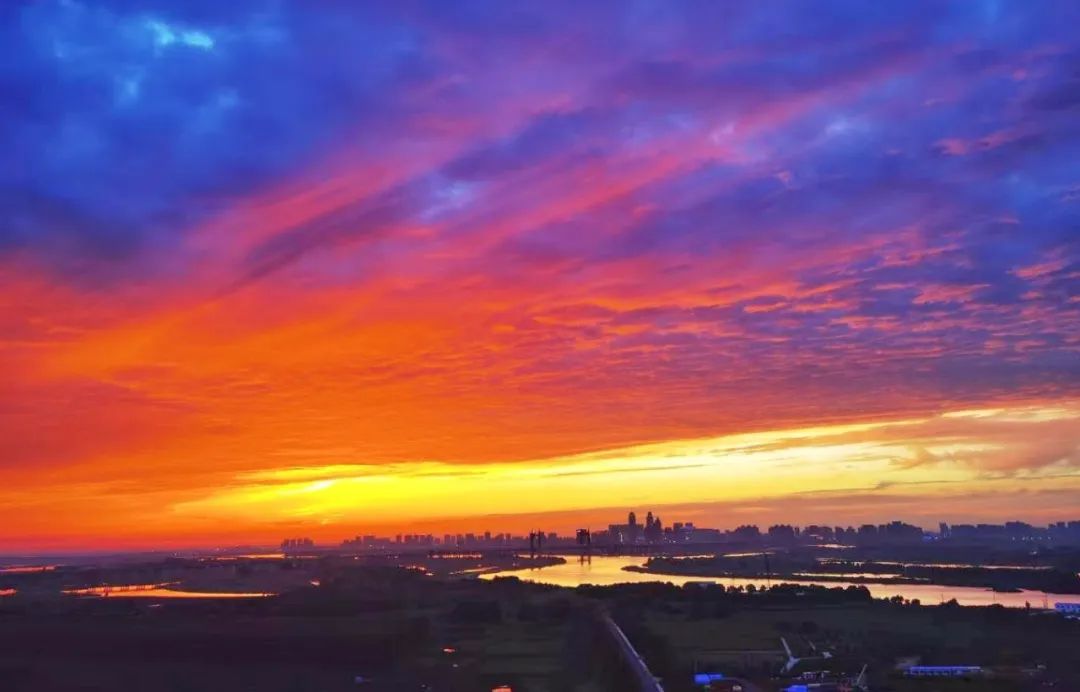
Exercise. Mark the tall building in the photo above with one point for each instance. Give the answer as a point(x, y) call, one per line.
point(654, 529)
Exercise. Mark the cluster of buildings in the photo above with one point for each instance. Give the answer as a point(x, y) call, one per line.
point(1063, 532)
point(653, 531)
point(891, 533)
point(449, 540)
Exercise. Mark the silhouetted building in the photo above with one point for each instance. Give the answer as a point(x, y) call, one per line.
point(782, 533)
point(747, 532)
point(820, 534)
point(297, 544)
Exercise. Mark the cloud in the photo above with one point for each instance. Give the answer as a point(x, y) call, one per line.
point(482, 234)
point(1001, 451)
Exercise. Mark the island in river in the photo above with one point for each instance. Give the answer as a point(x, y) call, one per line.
point(1000, 578)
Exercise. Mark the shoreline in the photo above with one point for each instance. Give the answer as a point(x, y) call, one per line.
point(841, 579)
point(548, 561)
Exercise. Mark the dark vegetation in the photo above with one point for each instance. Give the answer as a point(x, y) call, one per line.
point(397, 628)
point(402, 629)
point(680, 630)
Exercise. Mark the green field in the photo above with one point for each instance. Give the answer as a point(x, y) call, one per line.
point(403, 630)
point(747, 642)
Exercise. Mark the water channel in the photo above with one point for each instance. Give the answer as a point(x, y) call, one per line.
point(608, 570)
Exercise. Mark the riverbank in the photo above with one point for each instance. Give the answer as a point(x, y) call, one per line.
point(523, 564)
point(1015, 579)
point(612, 570)
point(776, 578)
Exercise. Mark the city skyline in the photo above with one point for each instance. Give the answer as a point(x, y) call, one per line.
point(1068, 532)
point(276, 270)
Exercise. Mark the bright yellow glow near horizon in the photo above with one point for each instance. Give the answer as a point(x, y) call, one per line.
point(974, 448)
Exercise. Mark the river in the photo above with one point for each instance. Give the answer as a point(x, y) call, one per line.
point(164, 590)
point(608, 570)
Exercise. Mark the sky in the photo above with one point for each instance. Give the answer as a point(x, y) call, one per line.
point(275, 268)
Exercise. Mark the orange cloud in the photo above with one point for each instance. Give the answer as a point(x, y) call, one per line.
point(333, 491)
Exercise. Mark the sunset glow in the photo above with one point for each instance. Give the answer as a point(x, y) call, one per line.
point(273, 270)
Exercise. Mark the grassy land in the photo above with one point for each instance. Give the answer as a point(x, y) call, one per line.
point(745, 641)
point(404, 630)
point(390, 626)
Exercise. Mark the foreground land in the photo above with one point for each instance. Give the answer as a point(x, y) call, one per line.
point(680, 630)
point(334, 624)
point(340, 623)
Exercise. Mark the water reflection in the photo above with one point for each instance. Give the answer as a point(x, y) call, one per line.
point(252, 556)
point(605, 570)
point(934, 565)
point(162, 590)
point(853, 575)
point(171, 593)
point(26, 569)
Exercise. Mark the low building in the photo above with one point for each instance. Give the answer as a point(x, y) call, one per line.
point(943, 671)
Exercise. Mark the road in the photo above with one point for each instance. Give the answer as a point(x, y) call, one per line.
point(646, 681)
